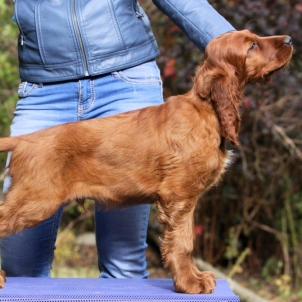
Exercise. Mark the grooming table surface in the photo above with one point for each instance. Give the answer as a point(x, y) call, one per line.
point(91, 290)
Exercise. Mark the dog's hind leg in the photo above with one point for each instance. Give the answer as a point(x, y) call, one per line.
point(21, 210)
point(177, 246)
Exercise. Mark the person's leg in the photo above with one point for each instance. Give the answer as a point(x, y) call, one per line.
point(121, 242)
point(30, 253)
point(121, 234)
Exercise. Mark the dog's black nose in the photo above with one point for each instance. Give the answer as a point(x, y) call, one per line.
point(288, 40)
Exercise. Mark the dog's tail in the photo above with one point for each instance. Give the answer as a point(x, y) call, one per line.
point(8, 143)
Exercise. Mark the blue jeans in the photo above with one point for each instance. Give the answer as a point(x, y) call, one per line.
point(120, 234)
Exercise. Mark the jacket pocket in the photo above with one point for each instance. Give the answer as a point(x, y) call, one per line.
point(55, 34)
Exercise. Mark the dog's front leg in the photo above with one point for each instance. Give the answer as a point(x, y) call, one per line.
point(2, 278)
point(177, 247)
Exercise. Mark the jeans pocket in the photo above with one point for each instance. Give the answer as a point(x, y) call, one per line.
point(146, 73)
point(25, 89)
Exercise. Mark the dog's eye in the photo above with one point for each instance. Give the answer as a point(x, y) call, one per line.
point(253, 46)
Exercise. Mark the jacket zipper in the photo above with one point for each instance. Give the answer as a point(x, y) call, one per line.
point(75, 19)
point(136, 9)
point(139, 15)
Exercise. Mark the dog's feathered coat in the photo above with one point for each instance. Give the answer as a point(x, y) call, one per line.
point(168, 154)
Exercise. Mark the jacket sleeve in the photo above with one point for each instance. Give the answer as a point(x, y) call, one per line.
point(196, 18)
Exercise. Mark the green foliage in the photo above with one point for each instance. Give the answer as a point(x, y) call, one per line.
point(65, 250)
point(272, 268)
point(283, 284)
point(231, 250)
point(8, 68)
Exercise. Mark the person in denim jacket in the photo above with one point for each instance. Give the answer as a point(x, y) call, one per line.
point(85, 59)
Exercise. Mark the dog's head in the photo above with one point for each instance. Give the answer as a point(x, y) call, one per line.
point(231, 61)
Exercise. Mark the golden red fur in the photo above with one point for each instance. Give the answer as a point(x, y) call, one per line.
point(168, 154)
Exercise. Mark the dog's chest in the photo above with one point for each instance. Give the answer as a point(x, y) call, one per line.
point(210, 168)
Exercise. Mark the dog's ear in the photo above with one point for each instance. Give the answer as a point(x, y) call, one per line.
point(222, 89)
point(224, 97)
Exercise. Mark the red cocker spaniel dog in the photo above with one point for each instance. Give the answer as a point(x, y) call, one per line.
point(168, 154)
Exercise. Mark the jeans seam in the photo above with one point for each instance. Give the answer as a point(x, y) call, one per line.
point(146, 217)
point(121, 76)
point(51, 249)
point(79, 100)
point(92, 94)
point(100, 265)
point(81, 105)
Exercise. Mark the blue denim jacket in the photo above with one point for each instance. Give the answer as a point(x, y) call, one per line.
point(61, 40)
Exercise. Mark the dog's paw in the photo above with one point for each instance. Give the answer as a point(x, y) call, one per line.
point(207, 282)
point(2, 278)
point(202, 283)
